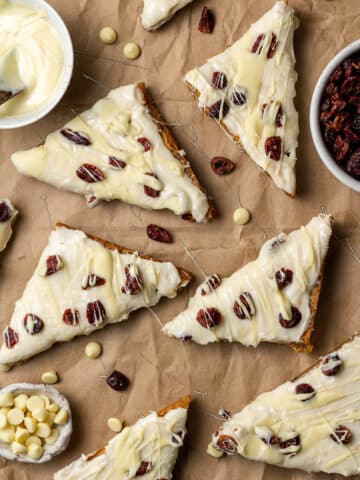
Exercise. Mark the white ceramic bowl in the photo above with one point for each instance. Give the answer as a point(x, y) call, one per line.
point(58, 24)
point(316, 133)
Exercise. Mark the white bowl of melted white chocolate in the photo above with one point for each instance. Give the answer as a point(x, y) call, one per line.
point(35, 422)
point(36, 61)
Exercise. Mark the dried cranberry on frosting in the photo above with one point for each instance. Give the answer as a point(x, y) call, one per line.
point(92, 281)
point(293, 321)
point(134, 282)
point(90, 173)
point(209, 317)
point(11, 337)
point(54, 263)
point(150, 191)
point(95, 313)
point(210, 284)
point(5, 212)
point(227, 444)
point(273, 148)
point(305, 391)
point(117, 163)
point(283, 277)
point(244, 307)
point(331, 364)
point(71, 317)
point(80, 138)
point(219, 80)
point(145, 142)
point(289, 443)
point(342, 435)
point(144, 468)
point(33, 324)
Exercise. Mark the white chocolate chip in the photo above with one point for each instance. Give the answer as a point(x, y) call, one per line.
point(18, 448)
point(50, 418)
point(40, 414)
point(115, 424)
point(32, 441)
point(30, 424)
point(50, 377)
point(43, 430)
point(3, 420)
point(21, 434)
point(7, 435)
point(61, 417)
point(51, 439)
point(46, 400)
point(35, 451)
point(93, 350)
point(35, 402)
point(132, 50)
point(21, 400)
point(15, 416)
point(108, 35)
point(53, 408)
point(241, 216)
point(6, 400)
point(4, 410)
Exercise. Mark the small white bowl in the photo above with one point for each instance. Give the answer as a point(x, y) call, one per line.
point(58, 24)
point(316, 133)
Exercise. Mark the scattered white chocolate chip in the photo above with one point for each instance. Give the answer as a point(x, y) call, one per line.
point(132, 50)
point(7, 435)
point(241, 216)
point(108, 35)
point(40, 414)
point(6, 400)
point(3, 420)
point(15, 416)
point(61, 417)
point(53, 408)
point(43, 430)
point(51, 439)
point(115, 424)
point(33, 440)
point(93, 350)
point(35, 451)
point(50, 377)
point(35, 402)
point(21, 434)
point(30, 424)
point(46, 400)
point(18, 448)
point(20, 401)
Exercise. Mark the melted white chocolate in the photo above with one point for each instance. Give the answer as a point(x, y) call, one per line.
point(31, 58)
point(6, 227)
point(158, 12)
point(48, 297)
point(336, 402)
point(302, 251)
point(151, 439)
point(263, 80)
point(114, 125)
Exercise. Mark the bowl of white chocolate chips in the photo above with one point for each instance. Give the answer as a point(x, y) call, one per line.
point(35, 422)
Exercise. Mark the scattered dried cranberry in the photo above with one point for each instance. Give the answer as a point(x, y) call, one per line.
point(305, 389)
point(207, 21)
point(144, 468)
point(213, 282)
point(273, 148)
point(90, 173)
point(145, 142)
point(342, 435)
point(294, 320)
point(351, 86)
point(11, 338)
point(273, 440)
point(33, 324)
point(133, 283)
point(258, 44)
point(95, 313)
point(341, 148)
point(219, 109)
point(219, 80)
point(273, 46)
point(71, 317)
point(76, 137)
point(222, 165)
point(279, 119)
point(209, 317)
point(117, 381)
point(337, 74)
point(5, 212)
point(353, 164)
point(331, 365)
point(188, 217)
point(158, 234)
point(53, 265)
point(93, 281)
point(117, 163)
point(283, 278)
point(151, 192)
point(291, 442)
point(244, 308)
point(238, 97)
point(227, 444)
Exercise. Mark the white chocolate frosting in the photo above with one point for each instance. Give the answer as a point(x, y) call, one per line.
point(6, 226)
point(72, 288)
point(31, 58)
point(158, 12)
point(256, 291)
point(262, 81)
point(112, 129)
point(152, 439)
point(283, 413)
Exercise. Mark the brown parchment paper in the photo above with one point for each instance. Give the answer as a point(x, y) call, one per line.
point(161, 369)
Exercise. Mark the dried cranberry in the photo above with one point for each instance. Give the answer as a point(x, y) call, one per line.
point(294, 320)
point(207, 21)
point(338, 103)
point(5, 212)
point(222, 165)
point(351, 86)
point(353, 164)
point(273, 148)
point(331, 89)
point(11, 338)
point(283, 278)
point(90, 173)
point(351, 136)
point(117, 163)
point(209, 317)
point(227, 444)
point(238, 97)
point(93, 281)
point(151, 192)
point(33, 324)
point(356, 123)
point(95, 313)
point(258, 44)
point(273, 440)
point(213, 282)
point(76, 137)
point(291, 442)
point(145, 142)
point(158, 234)
point(71, 317)
point(279, 117)
point(329, 136)
point(272, 47)
point(348, 68)
point(342, 435)
point(337, 74)
point(53, 265)
point(188, 217)
point(133, 283)
point(339, 121)
point(117, 381)
point(341, 148)
point(219, 80)
point(219, 109)
point(144, 468)
point(326, 104)
point(244, 308)
point(305, 389)
point(331, 365)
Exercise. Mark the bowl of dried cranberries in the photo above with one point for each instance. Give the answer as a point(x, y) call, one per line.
point(335, 116)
